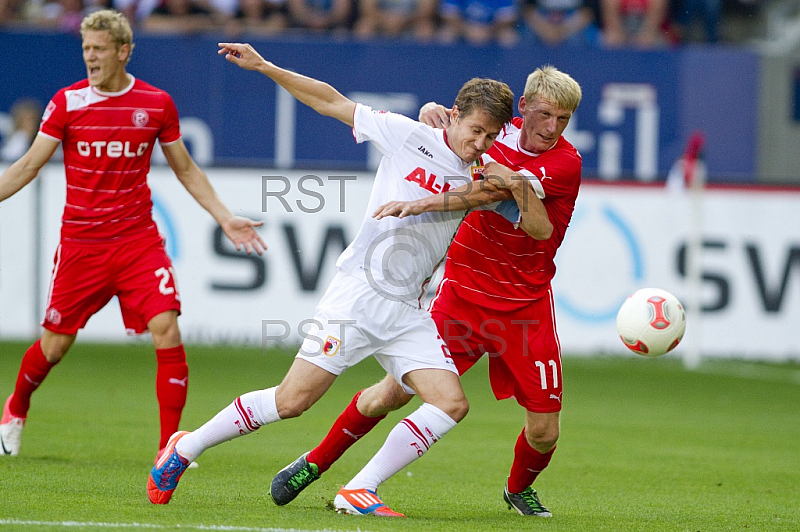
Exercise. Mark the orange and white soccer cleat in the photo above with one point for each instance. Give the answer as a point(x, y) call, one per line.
point(362, 502)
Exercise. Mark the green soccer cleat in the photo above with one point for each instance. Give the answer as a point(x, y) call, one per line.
point(293, 479)
point(526, 502)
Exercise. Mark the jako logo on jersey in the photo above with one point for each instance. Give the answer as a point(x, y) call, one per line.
point(428, 183)
point(140, 118)
point(331, 346)
point(114, 149)
point(425, 152)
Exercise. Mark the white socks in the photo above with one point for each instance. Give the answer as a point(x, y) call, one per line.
point(408, 440)
point(245, 415)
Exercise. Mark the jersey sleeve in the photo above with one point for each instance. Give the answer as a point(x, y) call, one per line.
point(552, 178)
point(559, 173)
point(534, 182)
point(54, 118)
point(170, 129)
point(387, 131)
point(509, 209)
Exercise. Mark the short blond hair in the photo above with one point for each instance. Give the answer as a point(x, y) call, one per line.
point(114, 23)
point(555, 86)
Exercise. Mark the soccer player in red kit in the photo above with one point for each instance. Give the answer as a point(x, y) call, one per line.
point(110, 245)
point(495, 297)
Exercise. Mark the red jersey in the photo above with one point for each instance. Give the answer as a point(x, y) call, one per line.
point(107, 140)
point(493, 263)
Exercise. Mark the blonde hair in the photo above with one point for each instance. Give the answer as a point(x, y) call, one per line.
point(554, 86)
point(114, 23)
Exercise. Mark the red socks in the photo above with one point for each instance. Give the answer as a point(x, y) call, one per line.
point(348, 428)
point(172, 380)
point(32, 371)
point(528, 463)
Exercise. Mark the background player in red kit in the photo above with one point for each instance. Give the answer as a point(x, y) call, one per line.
point(110, 246)
point(495, 296)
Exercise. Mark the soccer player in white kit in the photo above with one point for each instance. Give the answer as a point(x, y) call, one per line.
point(371, 307)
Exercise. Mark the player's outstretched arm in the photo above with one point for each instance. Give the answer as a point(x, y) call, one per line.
point(533, 216)
point(469, 196)
point(316, 94)
point(26, 167)
point(241, 231)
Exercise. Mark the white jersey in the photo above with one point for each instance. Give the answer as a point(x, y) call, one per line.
point(397, 256)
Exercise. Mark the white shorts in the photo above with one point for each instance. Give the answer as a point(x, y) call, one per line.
point(353, 321)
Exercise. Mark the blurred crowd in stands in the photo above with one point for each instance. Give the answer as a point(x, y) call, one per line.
point(601, 23)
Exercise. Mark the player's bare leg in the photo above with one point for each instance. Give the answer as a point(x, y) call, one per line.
point(56, 345)
point(36, 364)
point(365, 411)
point(164, 329)
point(303, 385)
point(444, 405)
point(383, 397)
point(532, 453)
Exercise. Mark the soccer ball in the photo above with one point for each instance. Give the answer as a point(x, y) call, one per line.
point(651, 322)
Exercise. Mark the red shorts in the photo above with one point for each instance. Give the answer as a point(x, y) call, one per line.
point(86, 277)
point(522, 345)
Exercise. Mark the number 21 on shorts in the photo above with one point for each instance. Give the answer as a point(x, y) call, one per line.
point(165, 286)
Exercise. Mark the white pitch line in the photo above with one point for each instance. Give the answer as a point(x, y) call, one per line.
point(92, 524)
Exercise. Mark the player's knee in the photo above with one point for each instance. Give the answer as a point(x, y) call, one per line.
point(55, 346)
point(382, 398)
point(291, 408)
point(292, 402)
point(542, 438)
point(54, 352)
point(457, 409)
point(378, 405)
point(164, 329)
point(53, 356)
point(462, 409)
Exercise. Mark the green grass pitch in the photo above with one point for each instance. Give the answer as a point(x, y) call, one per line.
point(645, 446)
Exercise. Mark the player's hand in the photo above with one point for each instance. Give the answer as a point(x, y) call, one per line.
point(435, 115)
point(400, 209)
point(242, 55)
point(242, 233)
point(496, 176)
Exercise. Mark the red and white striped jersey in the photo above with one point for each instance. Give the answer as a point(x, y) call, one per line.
point(497, 265)
point(108, 139)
